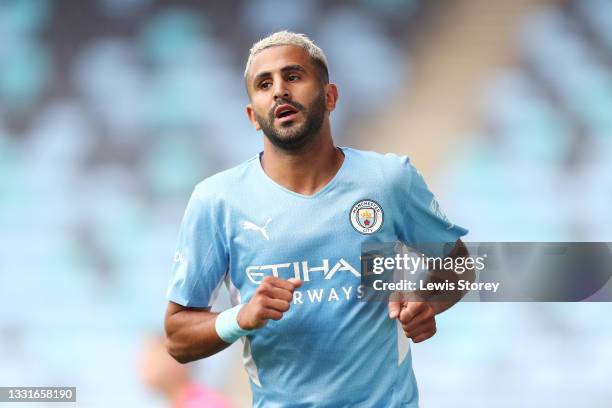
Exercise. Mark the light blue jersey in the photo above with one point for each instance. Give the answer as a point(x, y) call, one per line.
point(330, 349)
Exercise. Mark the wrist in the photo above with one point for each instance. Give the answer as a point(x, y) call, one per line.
point(240, 320)
point(227, 327)
point(438, 306)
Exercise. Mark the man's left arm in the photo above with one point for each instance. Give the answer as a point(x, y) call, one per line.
point(417, 315)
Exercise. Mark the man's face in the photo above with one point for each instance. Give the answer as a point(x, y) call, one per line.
point(288, 100)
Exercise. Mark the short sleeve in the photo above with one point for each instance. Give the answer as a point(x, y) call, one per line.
point(200, 260)
point(425, 225)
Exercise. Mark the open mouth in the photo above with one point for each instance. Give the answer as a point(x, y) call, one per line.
point(285, 111)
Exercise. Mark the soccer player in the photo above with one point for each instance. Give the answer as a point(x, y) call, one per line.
point(284, 232)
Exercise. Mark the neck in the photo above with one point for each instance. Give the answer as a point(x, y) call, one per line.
point(305, 171)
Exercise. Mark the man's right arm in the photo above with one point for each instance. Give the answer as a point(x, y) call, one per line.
point(191, 333)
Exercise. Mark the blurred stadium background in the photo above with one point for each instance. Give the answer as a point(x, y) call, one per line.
point(112, 110)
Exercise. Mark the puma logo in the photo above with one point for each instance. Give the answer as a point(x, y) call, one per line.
point(248, 225)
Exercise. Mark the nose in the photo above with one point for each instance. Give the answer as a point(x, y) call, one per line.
point(281, 91)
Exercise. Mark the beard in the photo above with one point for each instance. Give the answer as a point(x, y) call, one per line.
point(289, 136)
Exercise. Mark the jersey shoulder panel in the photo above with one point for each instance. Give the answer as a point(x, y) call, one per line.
point(221, 185)
point(394, 169)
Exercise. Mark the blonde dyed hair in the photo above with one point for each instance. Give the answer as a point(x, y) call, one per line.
point(289, 38)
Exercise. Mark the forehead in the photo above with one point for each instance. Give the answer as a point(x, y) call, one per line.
point(274, 58)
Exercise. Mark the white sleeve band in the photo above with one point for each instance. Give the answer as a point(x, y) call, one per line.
point(227, 326)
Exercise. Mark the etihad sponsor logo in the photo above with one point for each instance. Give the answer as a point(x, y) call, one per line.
point(319, 295)
point(300, 270)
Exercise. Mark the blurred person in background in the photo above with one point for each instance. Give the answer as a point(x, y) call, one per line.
point(162, 374)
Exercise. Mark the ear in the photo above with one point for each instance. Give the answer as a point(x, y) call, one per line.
point(251, 114)
point(331, 97)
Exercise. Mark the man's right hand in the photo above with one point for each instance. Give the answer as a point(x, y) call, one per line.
point(271, 299)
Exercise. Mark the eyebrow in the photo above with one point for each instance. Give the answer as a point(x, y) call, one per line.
point(285, 69)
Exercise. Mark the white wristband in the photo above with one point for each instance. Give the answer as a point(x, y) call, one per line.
point(227, 326)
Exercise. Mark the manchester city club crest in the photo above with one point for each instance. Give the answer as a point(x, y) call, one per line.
point(366, 216)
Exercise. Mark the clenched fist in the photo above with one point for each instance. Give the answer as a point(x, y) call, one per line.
point(418, 319)
point(271, 299)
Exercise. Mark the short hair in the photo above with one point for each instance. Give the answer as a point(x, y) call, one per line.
point(285, 37)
